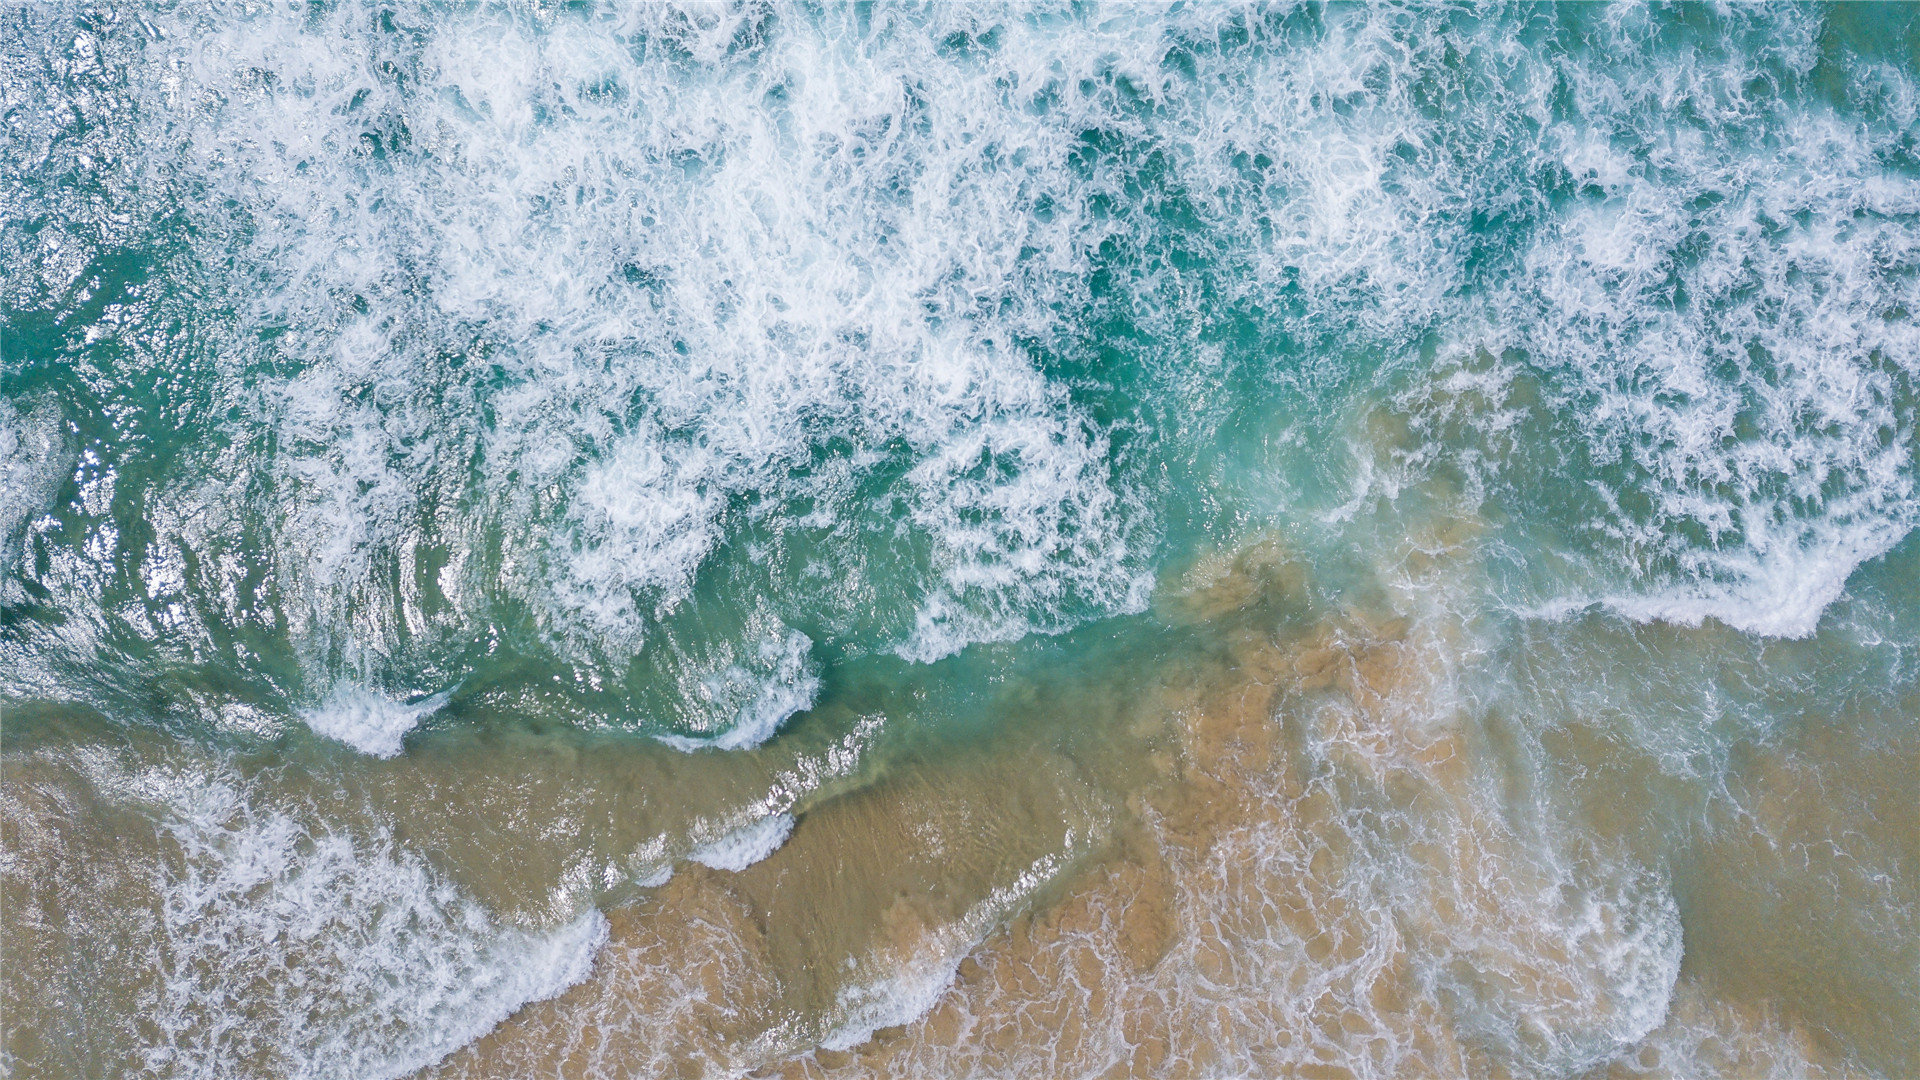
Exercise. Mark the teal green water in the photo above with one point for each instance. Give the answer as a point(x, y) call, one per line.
point(459, 463)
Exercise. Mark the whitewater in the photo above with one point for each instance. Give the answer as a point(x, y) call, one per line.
point(609, 539)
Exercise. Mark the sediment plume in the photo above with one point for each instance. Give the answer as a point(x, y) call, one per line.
point(1296, 860)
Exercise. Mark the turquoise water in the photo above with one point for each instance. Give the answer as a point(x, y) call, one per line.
point(460, 465)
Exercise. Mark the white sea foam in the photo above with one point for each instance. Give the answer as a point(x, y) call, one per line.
point(1617, 950)
point(1784, 596)
point(368, 720)
point(747, 844)
point(781, 681)
point(1729, 308)
point(674, 276)
point(1361, 909)
point(344, 953)
point(33, 461)
point(1715, 327)
point(655, 879)
point(901, 988)
point(599, 289)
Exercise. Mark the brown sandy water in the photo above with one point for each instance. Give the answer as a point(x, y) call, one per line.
point(1285, 843)
point(1288, 856)
point(1242, 921)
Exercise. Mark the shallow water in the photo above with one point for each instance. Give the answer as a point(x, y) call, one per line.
point(1139, 541)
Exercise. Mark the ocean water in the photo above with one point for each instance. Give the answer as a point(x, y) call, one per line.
point(601, 540)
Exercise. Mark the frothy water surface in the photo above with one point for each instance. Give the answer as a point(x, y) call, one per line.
point(1142, 540)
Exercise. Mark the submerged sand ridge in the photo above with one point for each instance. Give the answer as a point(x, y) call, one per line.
point(1260, 834)
point(1289, 852)
point(1343, 898)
